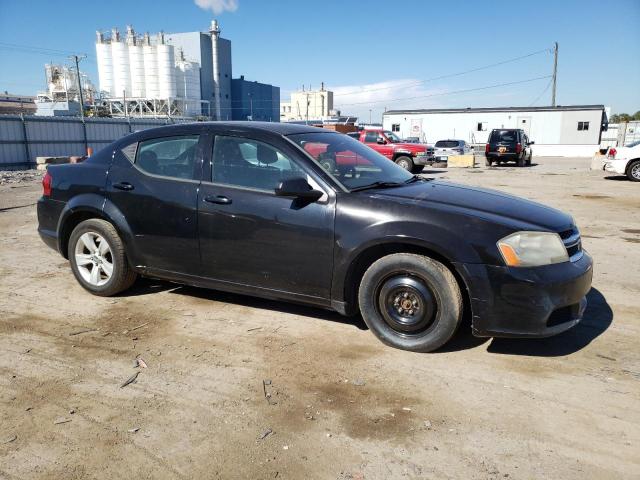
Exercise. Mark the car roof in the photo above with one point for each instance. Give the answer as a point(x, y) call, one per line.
point(238, 126)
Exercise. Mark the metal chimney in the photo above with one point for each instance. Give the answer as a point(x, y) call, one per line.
point(215, 35)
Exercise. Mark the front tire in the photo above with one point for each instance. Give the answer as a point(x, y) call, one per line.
point(405, 162)
point(98, 260)
point(411, 302)
point(633, 171)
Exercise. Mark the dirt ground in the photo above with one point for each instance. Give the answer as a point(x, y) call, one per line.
point(242, 388)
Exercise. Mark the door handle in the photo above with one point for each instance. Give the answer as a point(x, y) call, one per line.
point(123, 186)
point(219, 199)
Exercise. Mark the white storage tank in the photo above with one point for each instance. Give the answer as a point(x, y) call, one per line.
point(105, 64)
point(150, 68)
point(166, 69)
point(189, 86)
point(121, 73)
point(136, 64)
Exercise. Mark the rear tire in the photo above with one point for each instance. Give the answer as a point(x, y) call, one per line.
point(633, 171)
point(98, 259)
point(411, 302)
point(405, 162)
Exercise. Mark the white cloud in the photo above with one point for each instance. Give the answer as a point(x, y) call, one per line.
point(358, 99)
point(218, 6)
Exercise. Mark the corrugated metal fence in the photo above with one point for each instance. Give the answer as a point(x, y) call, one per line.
point(23, 138)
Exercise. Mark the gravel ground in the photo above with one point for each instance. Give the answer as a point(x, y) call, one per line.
point(237, 387)
point(20, 176)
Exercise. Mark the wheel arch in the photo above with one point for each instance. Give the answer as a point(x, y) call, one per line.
point(371, 254)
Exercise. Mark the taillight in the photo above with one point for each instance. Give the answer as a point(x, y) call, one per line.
point(518, 148)
point(612, 153)
point(486, 148)
point(46, 185)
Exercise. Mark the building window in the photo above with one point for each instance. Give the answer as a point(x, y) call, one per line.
point(395, 127)
point(482, 127)
point(583, 126)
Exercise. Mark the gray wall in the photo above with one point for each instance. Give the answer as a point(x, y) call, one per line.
point(22, 139)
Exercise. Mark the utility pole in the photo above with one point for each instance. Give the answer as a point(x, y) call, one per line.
point(555, 74)
point(77, 59)
point(369, 116)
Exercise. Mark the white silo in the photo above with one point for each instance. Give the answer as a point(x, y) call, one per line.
point(136, 64)
point(121, 72)
point(166, 69)
point(105, 64)
point(150, 68)
point(188, 85)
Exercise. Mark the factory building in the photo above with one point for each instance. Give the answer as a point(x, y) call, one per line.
point(557, 131)
point(176, 74)
point(255, 101)
point(307, 105)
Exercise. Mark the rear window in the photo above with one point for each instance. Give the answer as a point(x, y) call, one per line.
point(504, 136)
point(446, 143)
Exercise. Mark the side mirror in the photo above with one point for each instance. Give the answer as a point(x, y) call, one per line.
point(297, 187)
point(381, 141)
point(531, 142)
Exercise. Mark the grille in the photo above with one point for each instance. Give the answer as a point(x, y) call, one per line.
point(572, 242)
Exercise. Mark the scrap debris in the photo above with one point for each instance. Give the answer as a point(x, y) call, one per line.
point(267, 394)
point(84, 330)
point(130, 380)
point(10, 439)
point(265, 434)
point(140, 362)
point(61, 420)
point(136, 328)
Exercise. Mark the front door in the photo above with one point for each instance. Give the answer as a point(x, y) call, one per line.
point(372, 139)
point(153, 185)
point(251, 237)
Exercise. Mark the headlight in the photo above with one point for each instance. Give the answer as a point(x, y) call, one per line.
point(532, 249)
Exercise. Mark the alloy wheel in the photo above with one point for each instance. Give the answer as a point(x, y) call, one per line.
point(94, 259)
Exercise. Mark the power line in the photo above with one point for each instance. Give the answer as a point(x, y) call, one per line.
point(542, 93)
point(448, 93)
point(36, 50)
point(450, 75)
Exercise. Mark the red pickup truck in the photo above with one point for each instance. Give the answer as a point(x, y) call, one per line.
point(410, 156)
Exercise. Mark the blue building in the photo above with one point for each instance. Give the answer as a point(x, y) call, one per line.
point(254, 101)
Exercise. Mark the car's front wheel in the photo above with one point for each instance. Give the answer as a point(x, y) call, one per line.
point(633, 171)
point(410, 302)
point(98, 259)
point(405, 162)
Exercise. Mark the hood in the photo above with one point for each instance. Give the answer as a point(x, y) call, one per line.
point(496, 206)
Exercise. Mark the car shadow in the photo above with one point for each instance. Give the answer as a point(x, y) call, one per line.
point(597, 318)
point(147, 286)
point(617, 178)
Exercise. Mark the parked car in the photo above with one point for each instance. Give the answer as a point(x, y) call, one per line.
point(624, 161)
point(445, 148)
point(410, 156)
point(244, 207)
point(508, 145)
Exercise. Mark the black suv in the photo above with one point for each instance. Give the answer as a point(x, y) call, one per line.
point(247, 207)
point(508, 145)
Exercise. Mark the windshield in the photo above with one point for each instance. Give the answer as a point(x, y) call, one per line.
point(350, 162)
point(392, 137)
point(634, 144)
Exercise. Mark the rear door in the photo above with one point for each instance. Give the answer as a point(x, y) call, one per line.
point(154, 185)
point(503, 141)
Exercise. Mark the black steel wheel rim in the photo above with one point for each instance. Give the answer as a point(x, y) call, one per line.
point(406, 304)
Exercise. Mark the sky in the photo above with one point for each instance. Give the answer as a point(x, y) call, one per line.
point(372, 54)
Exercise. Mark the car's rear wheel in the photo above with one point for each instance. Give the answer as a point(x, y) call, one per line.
point(410, 302)
point(98, 259)
point(405, 162)
point(633, 171)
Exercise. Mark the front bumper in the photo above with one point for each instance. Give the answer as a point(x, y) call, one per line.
point(423, 159)
point(527, 302)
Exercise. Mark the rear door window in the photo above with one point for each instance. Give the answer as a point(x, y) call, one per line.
point(169, 156)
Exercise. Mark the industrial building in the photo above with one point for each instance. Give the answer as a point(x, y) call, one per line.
point(62, 97)
point(557, 131)
point(176, 74)
point(307, 105)
point(254, 101)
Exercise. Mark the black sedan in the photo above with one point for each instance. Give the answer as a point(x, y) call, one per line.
point(247, 208)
